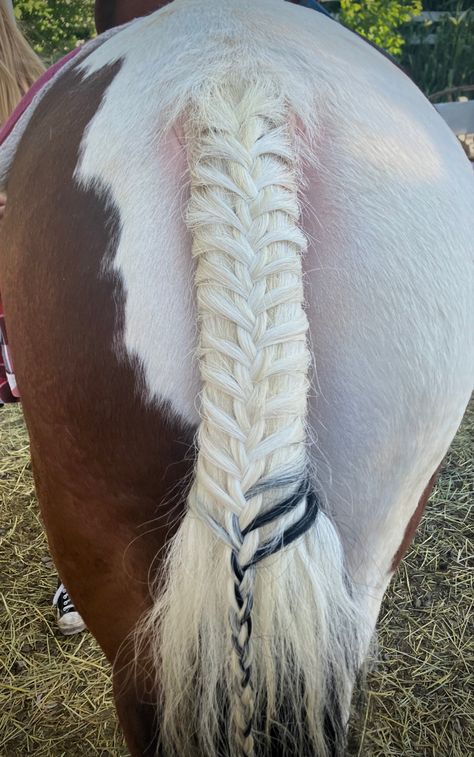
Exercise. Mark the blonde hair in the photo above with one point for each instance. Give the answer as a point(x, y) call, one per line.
point(19, 64)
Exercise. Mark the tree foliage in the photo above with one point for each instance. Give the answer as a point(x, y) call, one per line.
point(54, 27)
point(380, 21)
point(439, 54)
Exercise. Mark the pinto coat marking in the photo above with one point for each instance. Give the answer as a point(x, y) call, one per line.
point(104, 461)
point(387, 208)
point(391, 383)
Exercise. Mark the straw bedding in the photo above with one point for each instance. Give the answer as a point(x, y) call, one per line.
point(55, 694)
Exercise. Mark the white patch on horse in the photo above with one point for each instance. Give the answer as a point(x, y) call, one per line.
point(387, 207)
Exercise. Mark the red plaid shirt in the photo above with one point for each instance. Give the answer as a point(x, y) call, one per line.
point(8, 388)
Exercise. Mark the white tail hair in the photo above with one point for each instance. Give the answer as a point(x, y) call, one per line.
point(253, 629)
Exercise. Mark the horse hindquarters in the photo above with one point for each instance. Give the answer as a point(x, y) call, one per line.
point(104, 460)
point(387, 283)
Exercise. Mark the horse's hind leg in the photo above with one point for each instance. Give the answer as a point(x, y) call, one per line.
point(136, 711)
point(105, 555)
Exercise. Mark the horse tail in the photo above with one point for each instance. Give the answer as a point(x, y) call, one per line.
point(254, 630)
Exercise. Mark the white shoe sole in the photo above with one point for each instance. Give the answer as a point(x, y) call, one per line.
point(70, 623)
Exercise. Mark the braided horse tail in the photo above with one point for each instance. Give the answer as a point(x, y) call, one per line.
point(254, 650)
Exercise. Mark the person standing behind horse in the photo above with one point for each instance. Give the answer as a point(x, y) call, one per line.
point(19, 69)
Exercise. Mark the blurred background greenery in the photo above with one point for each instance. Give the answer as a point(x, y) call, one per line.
point(54, 27)
point(433, 40)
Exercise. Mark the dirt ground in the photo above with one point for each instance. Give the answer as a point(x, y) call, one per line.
point(55, 696)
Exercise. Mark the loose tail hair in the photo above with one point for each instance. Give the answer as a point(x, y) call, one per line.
point(253, 633)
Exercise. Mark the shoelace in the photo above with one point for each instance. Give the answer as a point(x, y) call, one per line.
point(67, 603)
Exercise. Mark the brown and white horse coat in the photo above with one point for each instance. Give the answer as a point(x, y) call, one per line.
point(97, 278)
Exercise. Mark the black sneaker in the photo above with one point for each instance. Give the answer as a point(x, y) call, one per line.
point(68, 619)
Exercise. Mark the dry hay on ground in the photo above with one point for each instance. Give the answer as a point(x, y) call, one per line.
point(55, 695)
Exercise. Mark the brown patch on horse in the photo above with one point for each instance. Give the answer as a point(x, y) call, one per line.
point(110, 468)
point(413, 523)
point(108, 465)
